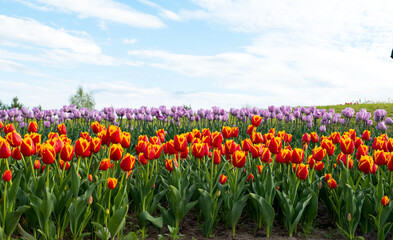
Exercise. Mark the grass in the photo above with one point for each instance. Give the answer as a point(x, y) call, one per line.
point(370, 107)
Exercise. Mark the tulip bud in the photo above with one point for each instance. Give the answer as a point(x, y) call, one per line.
point(7, 176)
point(349, 217)
point(90, 178)
point(90, 201)
point(319, 185)
point(219, 193)
point(385, 200)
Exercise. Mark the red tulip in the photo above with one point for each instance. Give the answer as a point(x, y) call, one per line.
point(116, 152)
point(239, 158)
point(180, 143)
point(113, 134)
point(112, 182)
point(256, 120)
point(33, 127)
point(223, 179)
point(67, 153)
point(332, 183)
point(7, 176)
point(82, 148)
point(61, 129)
point(127, 163)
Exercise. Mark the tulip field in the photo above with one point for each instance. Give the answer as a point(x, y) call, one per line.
point(86, 174)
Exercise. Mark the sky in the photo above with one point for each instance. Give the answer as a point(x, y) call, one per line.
point(199, 53)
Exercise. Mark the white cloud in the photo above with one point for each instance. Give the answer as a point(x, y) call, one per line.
point(130, 41)
point(164, 13)
point(33, 32)
point(107, 10)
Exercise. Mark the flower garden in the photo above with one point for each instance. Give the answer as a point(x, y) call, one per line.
point(79, 174)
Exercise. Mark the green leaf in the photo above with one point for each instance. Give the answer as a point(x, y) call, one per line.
point(145, 217)
point(24, 234)
point(117, 221)
point(236, 211)
point(11, 194)
point(266, 209)
point(75, 181)
point(300, 208)
point(12, 219)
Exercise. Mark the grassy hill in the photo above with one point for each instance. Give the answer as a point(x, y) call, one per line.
point(370, 107)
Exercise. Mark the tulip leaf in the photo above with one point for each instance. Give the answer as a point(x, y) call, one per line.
point(12, 219)
point(75, 181)
point(266, 210)
point(25, 235)
point(11, 194)
point(145, 217)
point(117, 221)
point(236, 211)
point(300, 208)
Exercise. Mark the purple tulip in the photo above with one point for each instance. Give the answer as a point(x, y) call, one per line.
point(388, 121)
point(322, 128)
point(379, 115)
point(382, 126)
point(47, 124)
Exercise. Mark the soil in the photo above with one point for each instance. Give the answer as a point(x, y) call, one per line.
point(246, 229)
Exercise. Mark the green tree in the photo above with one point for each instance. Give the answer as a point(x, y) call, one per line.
point(82, 99)
point(15, 103)
point(2, 105)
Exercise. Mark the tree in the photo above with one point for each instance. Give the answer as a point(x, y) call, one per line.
point(15, 103)
point(2, 105)
point(82, 99)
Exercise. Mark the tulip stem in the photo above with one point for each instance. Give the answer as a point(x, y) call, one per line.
point(47, 176)
point(88, 168)
point(32, 169)
point(5, 204)
point(79, 162)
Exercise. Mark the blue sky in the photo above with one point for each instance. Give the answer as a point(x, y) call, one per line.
point(201, 53)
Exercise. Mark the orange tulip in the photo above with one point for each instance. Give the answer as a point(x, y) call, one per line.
point(125, 139)
point(112, 182)
point(113, 134)
point(180, 143)
point(239, 158)
point(33, 127)
point(116, 152)
point(67, 153)
point(61, 129)
point(223, 179)
point(256, 120)
point(385, 200)
point(127, 163)
point(7, 176)
point(47, 153)
point(82, 148)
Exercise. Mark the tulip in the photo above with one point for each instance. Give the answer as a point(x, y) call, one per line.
point(385, 200)
point(226, 132)
point(64, 165)
point(332, 183)
point(246, 144)
point(318, 153)
point(141, 146)
point(180, 143)
point(161, 135)
point(157, 151)
point(27, 147)
point(155, 140)
point(105, 164)
point(352, 134)
point(314, 137)
point(95, 127)
point(335, 137)
point(230, 146)
point(235, 132)
point(239, 158)
point(251, 176)
point(286, 155)
point(347, 145)
point(302, 171)
point(216, 156)
point(328, 146)
point(380, 157)
point(216, 139)
point(170, 163)
point(112, 182)
point(366, 164)
point(113, 134)
point(266, 155)
point(9, 128)
point(47, 153)
point(362, 151)
point(199, 150)
point(33, 127)
point(53, 135)
point(196, 133)
point(169, 147)
point(61, 129)
point(222, 179)
point(125, 139)
point(256, 120)
point(255, 150)
point(1, 124)
point(206, 132)
point(37, 164)
point(366, 135)
point(328, 176)
point(95, 145)
point(15, 154)
point(85, 135)
point(250, 129)
point(90, 178)
point(149, 152)
point(7, 176)
point(141, 158)
point(116, 151)
point(297, 155)
point(288, 138)
point(127, 163)
point(275, 145)
point(306, 138)
point(82, 148)
point(319, 166)
point(36, 138)
point(256, 137)
point(14, 139)
point(102, 135)
point(67, 153)
point(342, 158)
point(190, 137)
point(389, 145)
point(260, 168)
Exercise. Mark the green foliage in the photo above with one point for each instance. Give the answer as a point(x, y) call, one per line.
point(82, 99)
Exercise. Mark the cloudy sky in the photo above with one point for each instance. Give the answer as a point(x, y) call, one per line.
point(201, 53)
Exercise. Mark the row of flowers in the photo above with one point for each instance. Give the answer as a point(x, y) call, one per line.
point(89, 184)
